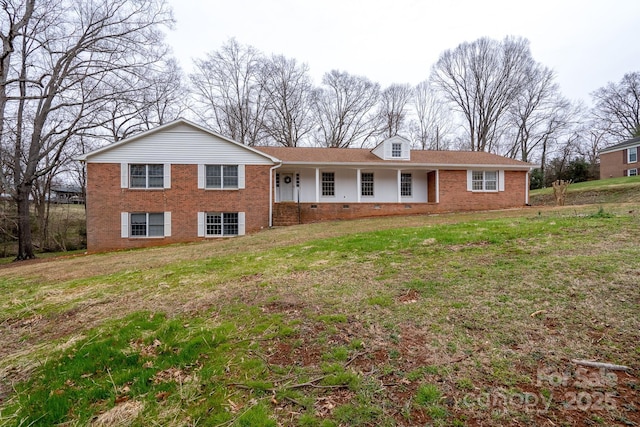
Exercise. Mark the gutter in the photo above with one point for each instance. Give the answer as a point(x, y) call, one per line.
point(271, 195)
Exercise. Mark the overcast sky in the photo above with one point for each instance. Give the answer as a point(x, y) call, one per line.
point(586, 42)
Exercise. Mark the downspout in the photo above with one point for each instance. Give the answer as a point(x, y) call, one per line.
point(271, 194)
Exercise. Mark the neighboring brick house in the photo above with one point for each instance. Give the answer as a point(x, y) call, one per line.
point(181, 182)
point(620, 160)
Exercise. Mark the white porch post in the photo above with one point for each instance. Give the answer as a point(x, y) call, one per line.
point(437, 185)
point(358, 183)
point(317, 185)
point(398, 185)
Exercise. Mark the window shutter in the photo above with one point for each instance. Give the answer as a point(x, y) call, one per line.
point(469, 180)
point(167, 175)
point(241, 226)
point(241, 176)
point(201, 224)
point(167, 224)
point(124, 224)
point(625, 156)
point(201, 176)
point(124, 175)
point(501, 180)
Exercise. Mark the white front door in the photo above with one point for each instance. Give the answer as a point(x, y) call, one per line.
point(287, 185)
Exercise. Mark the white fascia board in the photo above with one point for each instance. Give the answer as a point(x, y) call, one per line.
point(405, 165)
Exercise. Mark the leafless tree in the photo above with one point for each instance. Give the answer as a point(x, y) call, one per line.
point(344, 110)
point(432, 121)
point(229, 96)
point(393, 109)
point(617, 106)
point(481, 79)
point(288, 91)
point(60, 59)
point(538, 116)
point(150, 100)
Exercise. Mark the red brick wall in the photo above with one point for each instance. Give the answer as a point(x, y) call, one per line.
point(106, 200)
point(453, 197)
point(613, 165)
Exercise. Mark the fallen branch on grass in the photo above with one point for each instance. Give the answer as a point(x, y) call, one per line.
point(602, 365)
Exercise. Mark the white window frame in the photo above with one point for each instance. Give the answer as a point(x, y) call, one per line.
point(396, 150)
point(125, 176)
point(330, 184)
point(483, 187)
point(406, 185)
point(202, 177)
point(368, 185)
point(202, 224)
point(632, 172)
point(126, 219)
point(634, 151)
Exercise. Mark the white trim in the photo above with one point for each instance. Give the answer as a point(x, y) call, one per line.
point(167, 224)
point(358, 185)
point(124, 225)
point(501, 180)
point(526, 188)
point(399, 185)
point(629, 155)
point(469, 180)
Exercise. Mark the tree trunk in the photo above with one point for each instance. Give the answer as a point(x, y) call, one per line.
point(25, 244)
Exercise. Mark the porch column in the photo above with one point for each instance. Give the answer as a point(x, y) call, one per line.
point(358, 184)
point(399, 184)
point(317, 185)
point(437, 185)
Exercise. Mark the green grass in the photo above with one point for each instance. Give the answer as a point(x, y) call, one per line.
point(612, 190)
point(363, 323)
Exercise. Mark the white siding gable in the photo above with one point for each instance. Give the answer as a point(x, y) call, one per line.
point(179, 144)
point(384, 149)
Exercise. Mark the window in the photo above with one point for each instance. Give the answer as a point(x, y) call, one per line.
point(146, 176)
point(221, 176)
point(221, 224)
point(147, 225)
point(396, 149)
point(328, 184)
point(484, 181)
point(632, 172)
point(366, 184)
point(405, 185)
point(632, 155)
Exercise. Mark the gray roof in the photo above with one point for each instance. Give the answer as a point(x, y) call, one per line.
point(622, 145)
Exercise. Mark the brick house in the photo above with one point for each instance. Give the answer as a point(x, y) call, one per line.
point(181, 182)
point(620, 160)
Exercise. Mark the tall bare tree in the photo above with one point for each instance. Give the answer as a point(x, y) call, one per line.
point(393, 109)
point(481, 79)
point(344, 110)
point(432, 121)
point(229, 96)
point(288, 92)
point(537, 114)
point(617, 107)
point(60, 61)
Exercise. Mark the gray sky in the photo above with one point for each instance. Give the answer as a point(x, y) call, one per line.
point(586, 42)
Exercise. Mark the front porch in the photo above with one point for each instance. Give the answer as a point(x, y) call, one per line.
point(291, 213)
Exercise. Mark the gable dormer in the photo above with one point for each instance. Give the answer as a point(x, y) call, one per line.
point(394, 148)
